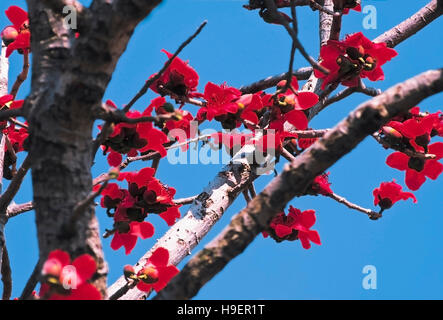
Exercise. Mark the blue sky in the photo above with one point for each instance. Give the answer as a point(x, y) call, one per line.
point(406, 246)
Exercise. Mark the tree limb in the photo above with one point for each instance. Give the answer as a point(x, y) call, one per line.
point(411, 26)
point(296, 177)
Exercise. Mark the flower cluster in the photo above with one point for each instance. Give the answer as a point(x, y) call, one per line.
point(180, 79)
point(389, 193)
point(129, 138)
point(413, 131)
point(130, 207)
point(16, 137)
point(65, 281)
point(294, 226)
point(354, 58)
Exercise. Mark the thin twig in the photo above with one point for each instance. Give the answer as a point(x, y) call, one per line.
point(270, 4)
point(15, 184)
point(269, 82)
point(148, 83)
point(22, 76)
point(31, 283)
point(185, 201)
point(371, 214)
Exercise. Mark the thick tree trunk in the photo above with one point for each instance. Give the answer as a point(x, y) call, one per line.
point(69, 78)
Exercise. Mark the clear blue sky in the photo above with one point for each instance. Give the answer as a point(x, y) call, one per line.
point(406, 246)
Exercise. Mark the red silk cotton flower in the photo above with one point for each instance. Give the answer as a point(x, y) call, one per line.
point(65, 281)
point(157, 272)
point(346, 5)
point(295, 225)
point(17, 36)
point(418, 169)
point(128, 138)
point(321, 185)
point(220, 100)
point(389, 193)
point(291, 107)
point(128, 238)
point(179, 78)
point(354, 58)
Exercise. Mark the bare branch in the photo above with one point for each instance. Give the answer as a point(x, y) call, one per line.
point(273, 9)
point(32, 282)
point(17, 209)
point(269, 82)
point(22, 76)
point(148, 83)
point(185, 201)
point(411, 26)
point(370, 213)
point(15, 184)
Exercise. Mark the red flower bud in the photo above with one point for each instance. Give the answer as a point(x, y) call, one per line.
point(149, 274)
point(9, 34)
point(391, 132)
point(128, 271)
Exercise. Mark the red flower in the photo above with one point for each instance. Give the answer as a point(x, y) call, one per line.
point(321, 185)
point(389, 193)
point(129, 233)
point(17, 36)
point(63, 281)
point(16, 136)
point(296, 225)
point(417, 130)
point(150, 195)
point(181, 129)
point(129, 138)
point(438, 124)
point(220, 100)
point(417, 169)
point(179, 78)
point(273, 142)
point(290, 107)
point(354, 58)
point(305, 143)
point(112, 195)
point(171, 215)
point(249, 104)
point(232, 142)
point(356, 8)
point(157, 272)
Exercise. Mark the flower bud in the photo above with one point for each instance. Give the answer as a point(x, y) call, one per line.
point(149, 274)
point(128, 271)
point(391, 132)
point(9, 34)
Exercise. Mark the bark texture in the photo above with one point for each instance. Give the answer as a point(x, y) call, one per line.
point(69, 78)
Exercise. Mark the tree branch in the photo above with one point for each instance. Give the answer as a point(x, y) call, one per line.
point(370, 213)
point(411, 26)
point(272, 81)
point(296, 177)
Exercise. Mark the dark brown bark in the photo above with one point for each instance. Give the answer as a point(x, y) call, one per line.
point(69, 78)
